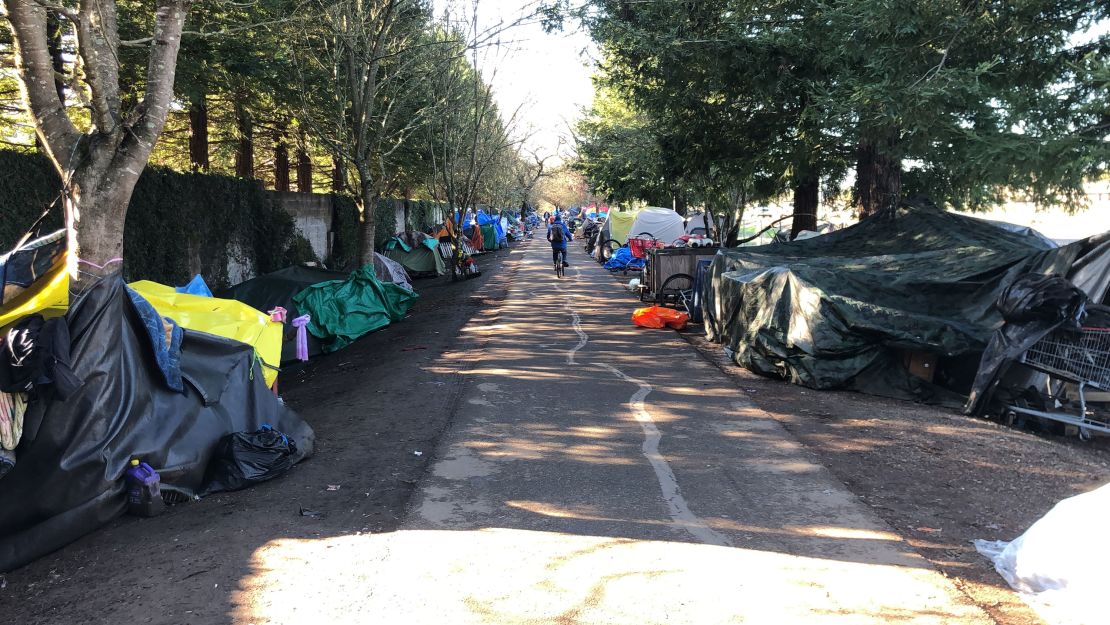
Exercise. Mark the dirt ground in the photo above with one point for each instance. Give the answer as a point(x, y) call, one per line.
point(377, 408)
point(937, 477)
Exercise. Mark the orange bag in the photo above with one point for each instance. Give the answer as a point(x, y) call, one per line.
point(659, 317)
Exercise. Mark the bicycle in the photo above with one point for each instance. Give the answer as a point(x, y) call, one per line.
point(677, 292)
point(560, 260)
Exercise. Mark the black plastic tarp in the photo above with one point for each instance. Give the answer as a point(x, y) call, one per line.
point(277, 288)
point(841, 310)
point(68, 479)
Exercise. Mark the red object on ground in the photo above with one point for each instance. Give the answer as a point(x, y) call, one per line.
point(659, 317)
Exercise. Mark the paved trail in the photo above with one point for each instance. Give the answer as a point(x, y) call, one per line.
point(601, 473)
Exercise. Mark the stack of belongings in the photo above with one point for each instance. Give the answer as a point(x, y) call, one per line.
point(901, 304)
point(100, 376)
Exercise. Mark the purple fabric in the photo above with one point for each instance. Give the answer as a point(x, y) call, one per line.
point(302, 336)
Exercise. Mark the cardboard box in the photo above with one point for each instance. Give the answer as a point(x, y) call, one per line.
point(920, 364)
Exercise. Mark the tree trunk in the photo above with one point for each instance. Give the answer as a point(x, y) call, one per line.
point(407, 204)
point(680, 204)
point(281, 157)
point(338, 175)
point(96, 208)
point(806, 188)
point(198, 133)
point(244, 153)
point(878, 173)
point(304, 164)
point(369, 200)
point(101, 165)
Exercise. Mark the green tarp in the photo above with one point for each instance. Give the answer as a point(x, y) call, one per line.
point(420, 260)
point(489, 237)
point(344, 310)
point(278, 288)
point(841, 310)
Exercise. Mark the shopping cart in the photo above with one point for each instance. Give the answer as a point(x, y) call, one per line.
point(1075, 361)
point(640, 243)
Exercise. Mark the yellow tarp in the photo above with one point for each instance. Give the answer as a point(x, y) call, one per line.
point(222, 317)
point(619, 224)
point(49, 295)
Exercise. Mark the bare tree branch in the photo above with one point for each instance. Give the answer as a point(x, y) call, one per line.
point(35, 67)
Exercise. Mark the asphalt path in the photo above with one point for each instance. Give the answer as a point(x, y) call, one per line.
point(596, 472)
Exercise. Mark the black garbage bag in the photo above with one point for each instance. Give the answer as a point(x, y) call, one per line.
point(1033, 307)
point(244, 459)
point(1035, 297)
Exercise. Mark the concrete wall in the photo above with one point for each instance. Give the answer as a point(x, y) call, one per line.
point(312, 216)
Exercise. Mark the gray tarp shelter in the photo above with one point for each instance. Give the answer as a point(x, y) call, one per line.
point(841, 311)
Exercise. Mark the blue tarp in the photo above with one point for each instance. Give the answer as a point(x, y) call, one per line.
point(396, 242)
point(622, 259)
point(196, 286)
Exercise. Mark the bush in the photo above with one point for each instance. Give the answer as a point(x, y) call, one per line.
point(385, 223)
point(176, 222)
point(345, 225)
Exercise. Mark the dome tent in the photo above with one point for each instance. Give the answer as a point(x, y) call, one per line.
point(662, 223)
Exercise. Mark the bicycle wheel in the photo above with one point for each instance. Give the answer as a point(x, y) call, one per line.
point(675, 290)
point(608, 248)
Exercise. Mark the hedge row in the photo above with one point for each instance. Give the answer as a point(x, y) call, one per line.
point(180, 222)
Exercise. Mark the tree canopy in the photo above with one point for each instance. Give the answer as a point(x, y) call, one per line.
point(963, 101)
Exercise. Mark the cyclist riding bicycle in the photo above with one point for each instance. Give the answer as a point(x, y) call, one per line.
point(559, 235)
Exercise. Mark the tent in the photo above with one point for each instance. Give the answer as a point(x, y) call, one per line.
point(33, 279)
point(278, 288)
point(388, 270)
point(222, 317)
point(662, 223)
point(617, 225)
point(695, 224)
point(853, 308)
point(49, 296)
point(420, 259)
point(147, 389)
point(344, 310)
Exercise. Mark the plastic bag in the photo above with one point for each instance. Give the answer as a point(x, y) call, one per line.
point(659, 317)
point(244, 459)
point(1055, 564)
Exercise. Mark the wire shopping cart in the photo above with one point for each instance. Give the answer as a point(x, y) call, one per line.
point(1080, 358)
point(640, 243)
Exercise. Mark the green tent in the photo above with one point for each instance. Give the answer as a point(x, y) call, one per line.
point(489, 237)
point(417, 260)
point(344, 310)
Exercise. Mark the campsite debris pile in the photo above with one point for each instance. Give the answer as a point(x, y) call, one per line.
point(902, 304)
point(99, 373)
point(120, 373)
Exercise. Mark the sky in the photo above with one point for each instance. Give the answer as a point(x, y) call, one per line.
point(544, 76)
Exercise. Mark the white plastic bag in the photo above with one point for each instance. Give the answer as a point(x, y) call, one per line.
point(1061, 560)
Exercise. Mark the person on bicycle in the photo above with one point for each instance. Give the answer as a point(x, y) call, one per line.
point(559, 235)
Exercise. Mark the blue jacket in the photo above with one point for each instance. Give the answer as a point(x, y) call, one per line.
point(566, 236)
